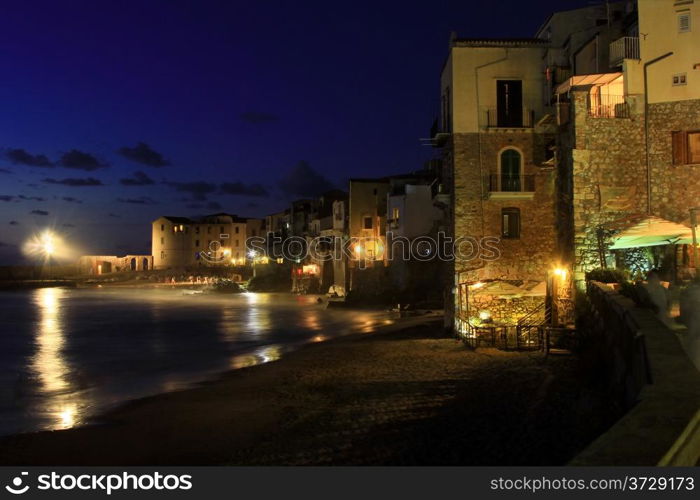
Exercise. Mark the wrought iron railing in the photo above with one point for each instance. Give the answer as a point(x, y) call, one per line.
point(608, 106)
point(512, 183)
point(526, 120)
point(626, 47)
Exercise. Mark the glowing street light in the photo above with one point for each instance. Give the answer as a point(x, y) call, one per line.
point(45, 246)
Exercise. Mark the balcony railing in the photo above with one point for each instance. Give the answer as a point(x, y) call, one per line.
point(511, 183)
point(608, 106)
point(527, 120)
point(626, 47)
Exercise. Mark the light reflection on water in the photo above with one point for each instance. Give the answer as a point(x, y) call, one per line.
point(68, 354)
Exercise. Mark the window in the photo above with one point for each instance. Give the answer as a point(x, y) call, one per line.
point(684, 22)
point(162, 255)
point(208, 229)
point(367, 222)
point(510, 170)
point(679, 79)
point(222, 230)
point(196, 243)
point(162, 227)
point(223, 236)
point(196, 230)
point(510, 223)
point(237, 242)
point(162, 241)
point(237, 228)
point(686, 147)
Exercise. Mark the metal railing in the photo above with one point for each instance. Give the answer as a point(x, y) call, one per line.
point(608, 106)
point(626, 47)
point(526, 120)
point(511, 183)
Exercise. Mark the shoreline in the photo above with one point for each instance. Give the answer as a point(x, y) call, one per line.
point(396, 396)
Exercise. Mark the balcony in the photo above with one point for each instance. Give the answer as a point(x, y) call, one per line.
point(608, 106)
point(626, 47)
point(494, 119)
point(511, 186)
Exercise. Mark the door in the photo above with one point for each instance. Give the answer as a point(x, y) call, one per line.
point(509, 102)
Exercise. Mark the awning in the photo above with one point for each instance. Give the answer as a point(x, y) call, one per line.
point(647, 231)
point(500, 289)
point(597, 79)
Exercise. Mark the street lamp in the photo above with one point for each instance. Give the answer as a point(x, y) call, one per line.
point(252, 254)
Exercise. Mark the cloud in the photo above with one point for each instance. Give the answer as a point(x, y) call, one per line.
point(212, 205)
point(198, 190)
point(143, 154)
point(80, 160)
point(14, 223)
point(143, 200)
point(238, 188)
point(303, 181)
point(22, 157)
point(73, 182)
point(68, 225)
point(5, 171)
point(257, 117)
point(39, 212)
point(139, 179)
point(70, 199)
point(31, 198)
point(252, 205)
point(115, 216)
point(6, 197)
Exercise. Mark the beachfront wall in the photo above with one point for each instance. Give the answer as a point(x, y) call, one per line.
point(105, 264)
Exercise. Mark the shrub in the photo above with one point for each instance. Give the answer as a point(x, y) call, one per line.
point(607, 275)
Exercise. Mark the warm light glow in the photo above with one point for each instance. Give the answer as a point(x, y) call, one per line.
point(561, 272)
point(46, 245)
point(484, 315)
point(358, 249)
point(252, 254)
point(477, 285)
point(280, 260)
point(227, 252)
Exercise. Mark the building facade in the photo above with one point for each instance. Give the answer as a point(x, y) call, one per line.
point(218, 239)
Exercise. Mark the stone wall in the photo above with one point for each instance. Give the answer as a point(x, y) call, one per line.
point(646, 364)
point(477, 214)
point(675, 188)
point(602, 173)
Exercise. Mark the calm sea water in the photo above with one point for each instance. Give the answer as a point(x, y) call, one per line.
point(69, 354)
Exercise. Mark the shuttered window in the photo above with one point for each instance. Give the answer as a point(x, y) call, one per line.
point(686, 147)
point(694, 147)
point(680, 148)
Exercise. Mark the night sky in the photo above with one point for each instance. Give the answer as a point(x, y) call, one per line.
point(114, 113)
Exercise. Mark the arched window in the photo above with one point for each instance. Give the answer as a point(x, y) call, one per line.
point(510, 170)
point(510, 222)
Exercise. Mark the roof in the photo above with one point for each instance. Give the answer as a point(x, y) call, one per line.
point(595, 80)
point(177, 220)
point(499, 42)
point(646, 231)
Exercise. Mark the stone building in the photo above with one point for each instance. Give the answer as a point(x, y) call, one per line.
point(629, 141)
point(218, 239)
point(496, 138)
point(546, 141)
point(105, 264)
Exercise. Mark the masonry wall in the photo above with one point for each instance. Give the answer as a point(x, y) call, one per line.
point(478, 214)
point(603, 173)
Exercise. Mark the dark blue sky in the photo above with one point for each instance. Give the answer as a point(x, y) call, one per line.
point(155, 104)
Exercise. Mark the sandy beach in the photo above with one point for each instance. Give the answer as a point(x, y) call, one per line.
point(401, 396)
